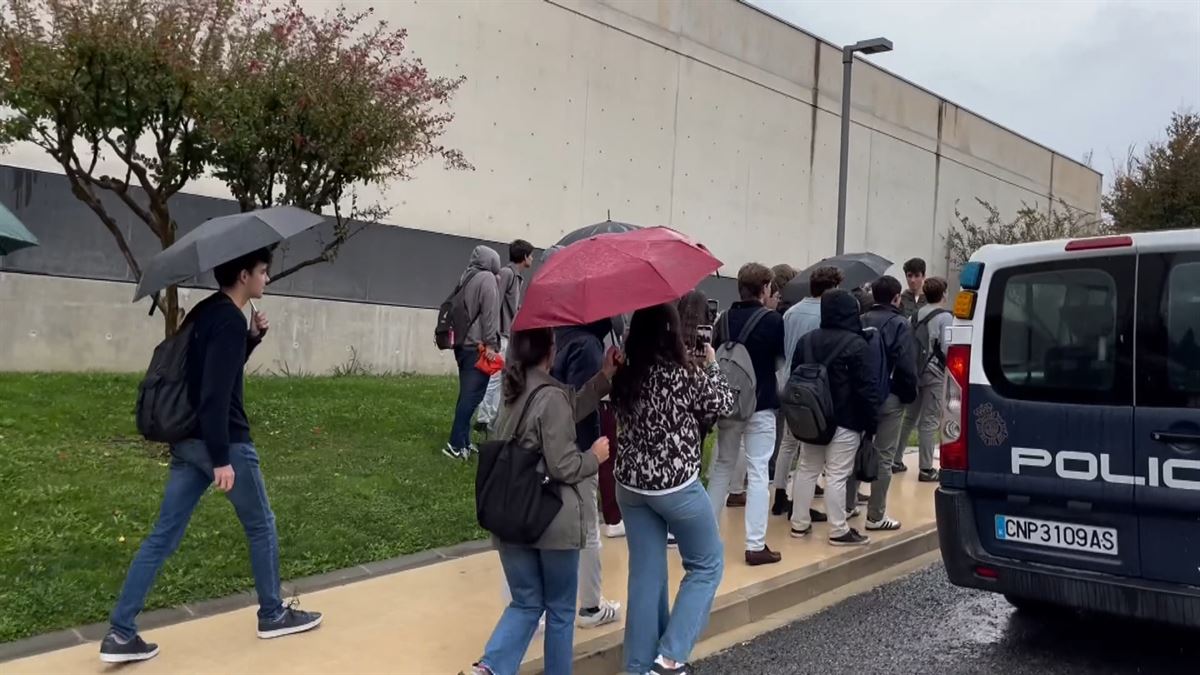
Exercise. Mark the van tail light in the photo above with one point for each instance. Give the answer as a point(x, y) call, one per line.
point(954, 408)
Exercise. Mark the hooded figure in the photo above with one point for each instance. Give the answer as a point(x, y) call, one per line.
point(481, 296)
point(853, 374)
point(579, 356)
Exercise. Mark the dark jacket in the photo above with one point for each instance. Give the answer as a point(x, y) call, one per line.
point(579, 356)
point(900, 346)
point(765, 345)
point(221, 345)
point(910, 303)
point(851, 375)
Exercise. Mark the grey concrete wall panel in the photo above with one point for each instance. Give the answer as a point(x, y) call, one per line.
point(383, 264)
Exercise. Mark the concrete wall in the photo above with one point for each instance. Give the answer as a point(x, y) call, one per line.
point(705, 115)
point(55, 323)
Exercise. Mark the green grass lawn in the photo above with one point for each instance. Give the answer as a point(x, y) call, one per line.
point(352, 466)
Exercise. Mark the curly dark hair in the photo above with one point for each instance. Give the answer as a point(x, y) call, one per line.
point(654, 339)
point(824, 279)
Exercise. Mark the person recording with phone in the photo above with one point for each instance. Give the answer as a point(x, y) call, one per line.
point(661, 393)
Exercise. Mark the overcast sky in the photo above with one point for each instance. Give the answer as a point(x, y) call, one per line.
point(1076, 75)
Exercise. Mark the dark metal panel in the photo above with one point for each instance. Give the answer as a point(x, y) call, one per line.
point(384, 264)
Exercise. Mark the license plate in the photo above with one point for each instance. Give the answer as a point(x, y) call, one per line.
point(1102, 540)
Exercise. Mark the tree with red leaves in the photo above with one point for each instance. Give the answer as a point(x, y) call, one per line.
point(282, 106)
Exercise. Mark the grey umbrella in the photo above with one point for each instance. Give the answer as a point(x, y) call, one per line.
point(607, 227)
point(221, 240)
point(857, 269)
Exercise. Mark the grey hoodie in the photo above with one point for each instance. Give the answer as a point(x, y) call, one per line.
point(482, 298)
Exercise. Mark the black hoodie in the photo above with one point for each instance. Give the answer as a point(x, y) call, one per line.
point(901, 349)
point(852, 375)
point(579, 355)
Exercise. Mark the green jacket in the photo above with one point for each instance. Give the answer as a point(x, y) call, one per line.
point(550, 425)
point(909, 304)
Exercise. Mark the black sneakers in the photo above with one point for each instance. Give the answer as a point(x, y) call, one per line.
point(113, 650)
point(292, 621)
point(681, 669)
point(851, 538)
point(929, 476)
point(783, 505)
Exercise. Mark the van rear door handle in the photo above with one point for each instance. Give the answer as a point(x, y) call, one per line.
point(1174, 437)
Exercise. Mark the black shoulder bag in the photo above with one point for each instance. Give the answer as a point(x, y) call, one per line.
point(514, 499)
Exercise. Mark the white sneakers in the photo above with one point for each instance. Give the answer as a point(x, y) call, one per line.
point(615, 531)
point(609, 612)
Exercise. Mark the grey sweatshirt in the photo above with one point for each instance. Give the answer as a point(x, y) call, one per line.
point(936, 327)
point(510, 281)
point(482, 298)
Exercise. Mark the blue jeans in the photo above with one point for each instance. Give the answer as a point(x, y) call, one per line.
point(540, 581)
point(186, 483)
point(472, 385)
point(651, 628)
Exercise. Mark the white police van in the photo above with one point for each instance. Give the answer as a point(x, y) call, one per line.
point(1070, 448)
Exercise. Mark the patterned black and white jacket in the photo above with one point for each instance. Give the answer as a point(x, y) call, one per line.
point(659, 442)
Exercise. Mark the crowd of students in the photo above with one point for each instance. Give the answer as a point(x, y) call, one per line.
point(667, 392)
point(620, 416)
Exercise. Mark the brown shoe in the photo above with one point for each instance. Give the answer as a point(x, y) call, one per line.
point(764, 557)
point(735, 501)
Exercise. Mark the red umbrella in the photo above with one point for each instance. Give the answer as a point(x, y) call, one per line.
point(611, 274)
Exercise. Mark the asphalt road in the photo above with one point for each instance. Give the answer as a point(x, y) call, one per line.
point(920, 624)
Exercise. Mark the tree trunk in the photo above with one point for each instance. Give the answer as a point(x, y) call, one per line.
point(173, 313)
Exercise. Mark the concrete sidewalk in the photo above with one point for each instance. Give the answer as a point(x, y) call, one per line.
point(435, 619)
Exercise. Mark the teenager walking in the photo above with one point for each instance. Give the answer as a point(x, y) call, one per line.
point(219, 453)
point(540, 412)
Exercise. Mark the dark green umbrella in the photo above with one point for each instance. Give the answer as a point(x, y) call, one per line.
point(14, 236)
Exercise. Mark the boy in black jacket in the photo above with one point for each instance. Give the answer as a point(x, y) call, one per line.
point(579, 355)
point(855, 392)
point(221, 454)
point(894, 329)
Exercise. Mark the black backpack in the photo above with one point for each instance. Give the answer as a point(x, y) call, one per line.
point(164, 411)
point(514, 499)
point(807, 401)
point(927, 352)
point(453, 322)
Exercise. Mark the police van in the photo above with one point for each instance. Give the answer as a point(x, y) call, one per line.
point(1070, 451)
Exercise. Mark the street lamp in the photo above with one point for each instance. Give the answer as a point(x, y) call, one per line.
point(873, 46)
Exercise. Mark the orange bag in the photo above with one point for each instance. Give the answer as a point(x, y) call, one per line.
point(489, 364)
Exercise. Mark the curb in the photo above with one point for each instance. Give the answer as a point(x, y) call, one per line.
point(73, 637)
point(603, 655)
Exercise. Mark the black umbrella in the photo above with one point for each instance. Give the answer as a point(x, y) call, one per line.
point(607, 227)
point(221, 240)
point(857, 269)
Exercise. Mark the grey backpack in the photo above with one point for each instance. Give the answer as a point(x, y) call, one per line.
point(734, 361)
point(929, 348)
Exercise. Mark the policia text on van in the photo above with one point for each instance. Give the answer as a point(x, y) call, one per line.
point(1070, 449)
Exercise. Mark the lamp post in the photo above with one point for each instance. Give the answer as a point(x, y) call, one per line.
point(873, 46)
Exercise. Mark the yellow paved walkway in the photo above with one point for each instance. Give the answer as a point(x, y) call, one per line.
point(433, 619)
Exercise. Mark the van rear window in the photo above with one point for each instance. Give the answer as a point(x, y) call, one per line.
point(1052, 332)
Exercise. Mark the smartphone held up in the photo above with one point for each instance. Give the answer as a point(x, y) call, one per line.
point(702, 339)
